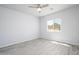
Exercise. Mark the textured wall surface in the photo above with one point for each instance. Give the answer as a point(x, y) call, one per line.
point(17, 27)
point(70, 26)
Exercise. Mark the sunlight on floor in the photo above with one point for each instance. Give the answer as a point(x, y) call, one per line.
point(60, 43)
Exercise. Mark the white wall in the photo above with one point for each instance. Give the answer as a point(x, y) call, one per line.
point(17, 27)
point(70, 28)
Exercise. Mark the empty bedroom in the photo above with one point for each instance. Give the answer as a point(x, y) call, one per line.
point(39, 29)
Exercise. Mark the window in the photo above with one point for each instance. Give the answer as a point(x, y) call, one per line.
point(54, 25)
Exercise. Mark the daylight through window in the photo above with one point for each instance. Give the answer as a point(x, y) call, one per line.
point(54, 25)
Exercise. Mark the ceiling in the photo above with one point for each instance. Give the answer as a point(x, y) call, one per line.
point(52, 8)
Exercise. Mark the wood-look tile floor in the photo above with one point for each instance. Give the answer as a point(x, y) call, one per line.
point(39, 47)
